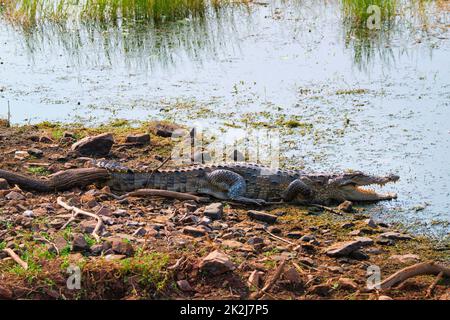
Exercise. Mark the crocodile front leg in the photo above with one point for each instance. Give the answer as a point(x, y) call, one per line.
point(297, 190)
point(228, 185)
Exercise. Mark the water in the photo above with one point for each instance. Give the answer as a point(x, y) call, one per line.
point(376, 103)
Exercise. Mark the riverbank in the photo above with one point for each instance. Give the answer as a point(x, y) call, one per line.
point(154, 248)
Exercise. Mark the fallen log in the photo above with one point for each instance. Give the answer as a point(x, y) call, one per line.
point(60, 181)
point(423, 268)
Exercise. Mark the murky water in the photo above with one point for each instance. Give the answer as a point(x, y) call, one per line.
point(377, 103)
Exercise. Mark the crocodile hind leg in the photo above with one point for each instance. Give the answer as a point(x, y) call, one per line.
point(297, 190)
point(228, 185)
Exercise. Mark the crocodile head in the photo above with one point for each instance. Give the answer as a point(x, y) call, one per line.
point(352, 186)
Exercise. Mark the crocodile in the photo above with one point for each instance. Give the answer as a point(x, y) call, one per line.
point(252, 183)
point(240, 182)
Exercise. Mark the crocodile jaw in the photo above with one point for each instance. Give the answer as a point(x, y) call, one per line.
point(358, 193)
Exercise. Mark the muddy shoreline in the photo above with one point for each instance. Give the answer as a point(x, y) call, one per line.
point(154, 248)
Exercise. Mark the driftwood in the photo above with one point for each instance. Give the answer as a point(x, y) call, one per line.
point(60, 181)
point(423, 268)
point(76, 212)
point(16, 258)
point(277, 237)
point(434, 284)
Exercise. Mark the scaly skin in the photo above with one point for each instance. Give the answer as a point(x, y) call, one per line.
point(253, 183)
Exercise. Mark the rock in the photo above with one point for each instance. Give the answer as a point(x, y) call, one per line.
point(166, 130)
point(122, 247)
point(343, 248)
point(293, 276)
point(445, 296)
point(232, 244)
point(347, 225)
point(21, 155)
point(306, 261)
point(36, 152)
point(406, 258)
point(217, 263)
point(60, 243)
point(346, 206)
point(347, 284)
point(143, 138)
point(214, 211)
point(88, 226)
point(205, 221)
point(140, 232)
point(4, 184)
point(97, 249)
point(5, 293)
point(385, 242)
point(359, 255)
point(45, 139)
point(307, 238)
point(184, 286)
point(79, 244)
point(28, 213)
point(392, 235)
point(262, 216)
point(195, 232)
point(57, 223)
point(384, 298)
point(365, 241)
point(371, 223)
point(13, 195)
point(94, 146)
point(274, 230)
point(294, 234)
point(355, 233)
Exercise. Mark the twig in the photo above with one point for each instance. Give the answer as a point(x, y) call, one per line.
point(161, 193)
point(433, 285)
point(16, 258)
point(271, 281)
point(278, 238)
point(76, 212)
point(422, 268)
point(326, 208)
point(177, 264)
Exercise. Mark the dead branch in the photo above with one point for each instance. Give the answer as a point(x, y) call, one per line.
point(76, 212)
point(433, 285)
point(327, 209)
point(16, 258)
point(163, 193)
point(423, 268)
point(278, 238)
point(271, 281)
point(177, 264)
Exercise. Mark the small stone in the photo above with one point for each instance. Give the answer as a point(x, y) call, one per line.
point(104, 211)
point(79, 244)
point(347, 225)
point(4, 184)
point(294, 234)
point(120, 246)
point(184, 286)
point(355, 233)
point(307, 238)
point(13, 195)
point(60, 243)
point(214, 211)
point(406, 258)
point(306, 261)
point(97, 249)
point(384, 298)
point(57, 223)
point(195, 232)
point(232, 244)
point(28, 213)
point(255, 240)
point(346, 206)
point(166, 130)
point(293, 276)
point(359, 255)
point(365, 241)
point(36, 152)
point(88, 226)
point(216, 263)
point(140, 232)
point(343, 248)
point(45, 139)
point(370, 223)
point(143, 138)
point(395, 236)
point(21, 155)
point(99, 145)
point(385, 242)
point(274, 230)
point(205, 221)
point(262, 216)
